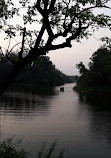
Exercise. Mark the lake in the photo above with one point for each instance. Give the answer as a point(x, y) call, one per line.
point(80, 123)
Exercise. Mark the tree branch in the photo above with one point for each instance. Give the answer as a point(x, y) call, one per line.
point(64, 25)
point(39, 37)
point(46, 24)
point(45, 15)
point(48, 27)
point(93, 7)
point(40, 10)
point(23, 41)
point(45, 4)
point(67, 43)
point(51, 8)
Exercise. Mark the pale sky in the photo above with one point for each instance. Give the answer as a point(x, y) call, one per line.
point(66, 59)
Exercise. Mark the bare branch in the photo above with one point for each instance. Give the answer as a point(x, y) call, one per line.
point(40, 10)
point(46, 24)
point(48, 27)
point(39, 36)
point(13, 48)
point(59, 46)
point(67, 43)
point(46, 17)
point(93, 7)
point(66, 31)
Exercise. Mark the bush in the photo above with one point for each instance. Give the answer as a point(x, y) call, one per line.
point(9, 148)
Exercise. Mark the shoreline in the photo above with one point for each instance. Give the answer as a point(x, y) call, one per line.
point(93, 91)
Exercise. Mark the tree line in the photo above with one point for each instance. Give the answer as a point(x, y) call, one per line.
point(41, 72)
point(98, 75)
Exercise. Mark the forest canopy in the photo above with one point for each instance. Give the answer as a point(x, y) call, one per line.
point(98, 75)
point(40, 73)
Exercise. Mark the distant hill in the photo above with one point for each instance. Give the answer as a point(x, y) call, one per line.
point(73, 79)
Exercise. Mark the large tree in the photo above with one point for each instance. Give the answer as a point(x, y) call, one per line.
point(97, 78)
point(52, 19)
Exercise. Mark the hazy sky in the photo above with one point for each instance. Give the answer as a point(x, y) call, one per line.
point(66, 59)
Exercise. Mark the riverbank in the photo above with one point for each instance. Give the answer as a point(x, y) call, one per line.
point(33, 88)
point(92, 90)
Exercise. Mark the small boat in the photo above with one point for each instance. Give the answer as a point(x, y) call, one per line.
point(61, 89)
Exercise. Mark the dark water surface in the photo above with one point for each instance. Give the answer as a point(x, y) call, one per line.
point(81, 124)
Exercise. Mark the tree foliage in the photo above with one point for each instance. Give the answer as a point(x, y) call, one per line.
point(99, 73)
point(82, 68)
point(10, 148)
point(42, 73)
point(41, 22)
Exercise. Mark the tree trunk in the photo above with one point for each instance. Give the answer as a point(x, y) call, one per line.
point(16, 69)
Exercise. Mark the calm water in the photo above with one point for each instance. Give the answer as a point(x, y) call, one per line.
point(81, 124)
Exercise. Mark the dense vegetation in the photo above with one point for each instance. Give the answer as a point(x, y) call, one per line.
point(10, 148)
point(98, 77)
point(40, 73)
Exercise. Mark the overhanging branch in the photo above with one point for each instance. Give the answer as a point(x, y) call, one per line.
point(67, 43)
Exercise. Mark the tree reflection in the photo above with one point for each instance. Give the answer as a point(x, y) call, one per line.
point(24, 105)
point(99, 107)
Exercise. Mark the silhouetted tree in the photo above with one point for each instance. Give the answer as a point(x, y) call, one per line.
point(82, 68)
point(52, 19)
point(98, 76)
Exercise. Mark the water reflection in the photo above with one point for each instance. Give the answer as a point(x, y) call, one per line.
point(99, 107)
point(81, 123)
point(97, 101)
point(22, 105)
